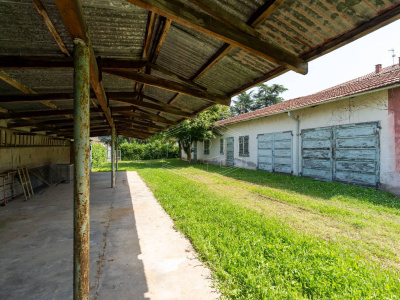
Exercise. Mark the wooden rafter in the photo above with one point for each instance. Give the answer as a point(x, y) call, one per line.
point(72, 14)
point(19, 86)
point(45, 113)
point(164, 26)
point(43, 13)
point(166, 108)
point(149, 32)
point(192, 17)
point(128, 120)
point(365, 28)
point(171, 86)
point(55, 62)
point(258, 17)
point(151, 117)
point(52, 123)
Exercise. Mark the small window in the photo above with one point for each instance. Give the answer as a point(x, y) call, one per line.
point(221, 146)
point(206, 147)
point(244, 145)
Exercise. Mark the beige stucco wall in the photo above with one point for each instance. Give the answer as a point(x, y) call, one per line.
point(364, 108)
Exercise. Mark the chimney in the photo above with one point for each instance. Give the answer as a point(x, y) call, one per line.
point(378, 68)
point(399, 61)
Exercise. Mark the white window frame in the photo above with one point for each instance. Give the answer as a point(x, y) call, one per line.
point(243, 152)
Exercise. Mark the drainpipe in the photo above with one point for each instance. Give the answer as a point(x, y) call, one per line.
point(297, 143)
point(81, 169)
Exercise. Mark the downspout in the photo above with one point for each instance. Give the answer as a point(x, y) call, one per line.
point(297, 143)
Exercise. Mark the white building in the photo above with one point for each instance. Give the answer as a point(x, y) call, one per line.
point(348, 133)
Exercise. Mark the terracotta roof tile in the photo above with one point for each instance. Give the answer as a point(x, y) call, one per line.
point(387, 77)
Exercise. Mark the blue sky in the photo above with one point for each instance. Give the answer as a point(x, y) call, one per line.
point(348, 62)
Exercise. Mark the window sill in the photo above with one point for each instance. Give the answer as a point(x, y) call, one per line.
point(244, 155)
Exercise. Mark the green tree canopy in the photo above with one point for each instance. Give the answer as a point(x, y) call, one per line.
point(199, 129)
point(265, 96)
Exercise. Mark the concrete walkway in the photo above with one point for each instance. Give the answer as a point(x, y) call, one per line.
point(135, 252)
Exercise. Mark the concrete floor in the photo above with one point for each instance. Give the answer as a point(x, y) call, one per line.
point(134, 251)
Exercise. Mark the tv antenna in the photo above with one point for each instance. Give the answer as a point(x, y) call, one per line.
point(393, 55)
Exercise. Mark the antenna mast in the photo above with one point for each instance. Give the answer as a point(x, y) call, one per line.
point(393, 55)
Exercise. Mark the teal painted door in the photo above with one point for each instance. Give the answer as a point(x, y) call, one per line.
point(275, 152)
point(230, 158)
point(345, 153)
point(194, 150)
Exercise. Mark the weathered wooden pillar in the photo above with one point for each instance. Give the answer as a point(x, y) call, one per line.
point(81, 170)
point(113, 158)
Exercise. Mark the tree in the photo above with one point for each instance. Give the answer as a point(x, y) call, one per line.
point(243, 104)
point(268, 95)
point(199, 129)
point(265, 96)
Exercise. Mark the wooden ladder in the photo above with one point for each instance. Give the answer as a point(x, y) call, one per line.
point(25, 180)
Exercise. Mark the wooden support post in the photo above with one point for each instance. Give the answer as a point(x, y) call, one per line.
point(81, 170)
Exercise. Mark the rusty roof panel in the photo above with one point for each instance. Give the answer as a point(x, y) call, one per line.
point(23, 31)
point(190, 104)
point(44, 80)
point(159, 94)
point(117, 28)
point(185, 50)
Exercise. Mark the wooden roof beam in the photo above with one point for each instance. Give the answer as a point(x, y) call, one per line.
point(192, 17)
point(166, 108)
point(34, 123)
point(128, 120)
point(151, 117)
point(171, 86)
point(72, 14)
point(43, 13)
point(45, 113)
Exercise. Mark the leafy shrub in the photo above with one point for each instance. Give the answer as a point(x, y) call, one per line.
point(99, 154)
point(153, 150)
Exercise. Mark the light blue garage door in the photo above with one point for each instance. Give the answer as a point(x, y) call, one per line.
point(345, 153)
point(275, 152)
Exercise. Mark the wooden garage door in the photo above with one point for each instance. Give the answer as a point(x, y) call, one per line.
point(317, 153)
point(356, 154)
point(275, 152)
point(346, 153)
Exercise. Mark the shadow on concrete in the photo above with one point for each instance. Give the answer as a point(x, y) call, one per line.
point(116, 270)
point(37, 241)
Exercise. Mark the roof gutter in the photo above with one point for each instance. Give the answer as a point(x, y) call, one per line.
point(315, 104)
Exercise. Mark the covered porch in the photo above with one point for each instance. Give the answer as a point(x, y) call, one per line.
point(134, 251)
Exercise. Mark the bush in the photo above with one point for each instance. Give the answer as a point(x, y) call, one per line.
point(153, 150)
point(99, 154)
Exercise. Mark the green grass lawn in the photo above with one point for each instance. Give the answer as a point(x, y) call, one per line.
point(271, 236)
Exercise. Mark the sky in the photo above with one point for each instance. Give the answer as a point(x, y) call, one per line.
point(348, 62)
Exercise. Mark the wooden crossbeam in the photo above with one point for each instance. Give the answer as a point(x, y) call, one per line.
point(260, 16)
point(43, 13)
point(128, 120)
point(159, 108)
point(219, 13)
point(149, 31)
point(151, 117)
point(51, 62)
point(257, 18)
point(171, 86)
point(33, 123)
point(45, 113)
point(55, 62)
point(72, 14)
point(194, 18)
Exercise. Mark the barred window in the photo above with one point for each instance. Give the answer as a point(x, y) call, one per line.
point(244, 145)
point(221, 146)
point(206, 147)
